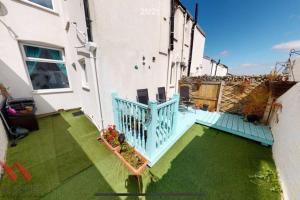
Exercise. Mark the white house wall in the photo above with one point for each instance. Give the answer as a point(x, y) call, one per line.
point(286, 151)
point(180, 55)
point(38, 26)
point(198, 50)
point(206, 68)
point(209, 67)
point(221, 70)
point(125, 33)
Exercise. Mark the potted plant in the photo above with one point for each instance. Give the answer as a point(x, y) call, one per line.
point(110, 138)
point(132, 159)
point(254, 105)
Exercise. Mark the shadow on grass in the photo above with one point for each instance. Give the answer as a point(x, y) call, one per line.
point(216, 166)
point(59, 167)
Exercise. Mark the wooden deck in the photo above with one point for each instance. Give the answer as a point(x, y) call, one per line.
point(233, 124)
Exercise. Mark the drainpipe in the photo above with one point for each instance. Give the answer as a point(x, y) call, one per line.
point(192, 40)
point(182, 45)
point(171, 40)
point(212, 66)
point(217, 67)
point(172, 19)
point(93, 52)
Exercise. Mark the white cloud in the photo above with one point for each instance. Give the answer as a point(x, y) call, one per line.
point(249, 65)
point(287, 45)
point(252, 68)
point(224, 53)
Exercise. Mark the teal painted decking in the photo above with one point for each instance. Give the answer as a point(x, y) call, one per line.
point(153, 129)
point(226, 122)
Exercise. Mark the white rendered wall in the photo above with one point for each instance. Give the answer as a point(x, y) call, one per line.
point(210, 67)
point(125, 33)
point(180, 55)
point(38, 26)
point(198, 50)
point(221, 71)
point(206, 68)
point(286, 147)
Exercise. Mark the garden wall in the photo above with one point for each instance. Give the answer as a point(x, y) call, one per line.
point(236, 94)
point(245, 96)
point(285, 123)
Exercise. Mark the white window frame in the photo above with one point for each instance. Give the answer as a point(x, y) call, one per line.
point(84, 74)
point(53, 10)
point(63, 61)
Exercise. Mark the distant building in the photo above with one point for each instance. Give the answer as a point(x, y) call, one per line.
point(210, 67)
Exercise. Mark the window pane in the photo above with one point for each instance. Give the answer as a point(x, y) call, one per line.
point(47, 75)
point(45, 3)
point(36, 52)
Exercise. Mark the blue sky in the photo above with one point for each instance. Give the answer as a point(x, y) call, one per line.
point(249, 35)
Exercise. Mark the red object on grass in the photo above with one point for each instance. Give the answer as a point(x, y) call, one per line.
point(110, 129)
point(27, 176)
point(10, 172)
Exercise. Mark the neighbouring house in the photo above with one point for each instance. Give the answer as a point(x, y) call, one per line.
point(211, 67)
point(180, 55)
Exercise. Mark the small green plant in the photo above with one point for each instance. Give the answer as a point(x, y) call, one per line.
point(131, 156)
point(266, 176)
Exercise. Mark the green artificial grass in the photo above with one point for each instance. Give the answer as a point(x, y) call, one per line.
point(67, 162)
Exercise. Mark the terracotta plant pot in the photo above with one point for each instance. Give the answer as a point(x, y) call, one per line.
point(134, 171)
point(102, 139)
point(116, 150)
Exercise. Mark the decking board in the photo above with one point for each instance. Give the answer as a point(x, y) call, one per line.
point(235, 124)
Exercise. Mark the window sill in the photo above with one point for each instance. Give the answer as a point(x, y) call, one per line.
point(38, 6)
point(52, 91)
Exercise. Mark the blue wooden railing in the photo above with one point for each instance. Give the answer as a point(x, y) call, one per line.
point(151, 129)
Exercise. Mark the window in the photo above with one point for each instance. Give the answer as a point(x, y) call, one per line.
point(44, 3)
point(46, 67)
point(84, 75)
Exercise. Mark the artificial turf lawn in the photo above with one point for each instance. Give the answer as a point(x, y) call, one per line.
point(67, 162)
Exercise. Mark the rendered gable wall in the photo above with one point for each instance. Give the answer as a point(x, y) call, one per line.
point(286, 147)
